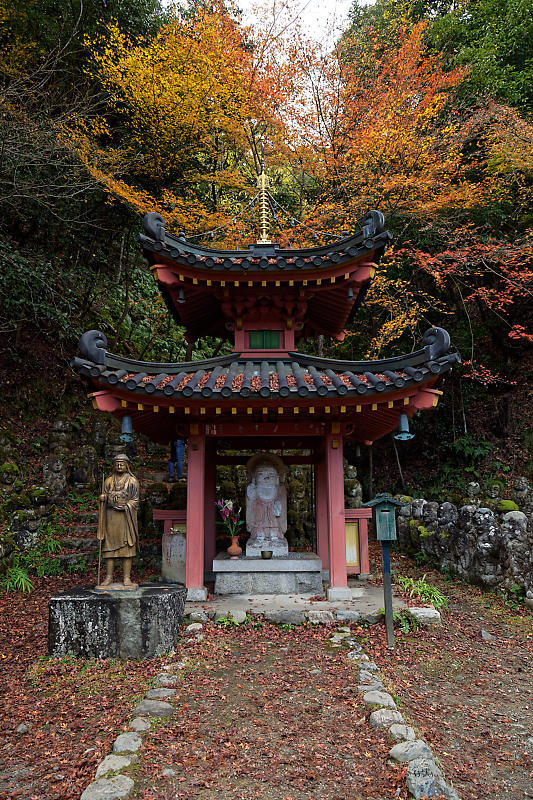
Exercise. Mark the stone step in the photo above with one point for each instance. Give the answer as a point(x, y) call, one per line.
point(85, 528)
point(67, 559)
point(84, 517)
point(79, 543)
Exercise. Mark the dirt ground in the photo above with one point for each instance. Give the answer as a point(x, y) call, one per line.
point(272, 713)
point(470, 697)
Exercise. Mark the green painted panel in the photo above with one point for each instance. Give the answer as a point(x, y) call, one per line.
point(264, 340)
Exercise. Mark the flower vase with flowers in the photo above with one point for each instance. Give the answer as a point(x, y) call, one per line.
point(231, 521)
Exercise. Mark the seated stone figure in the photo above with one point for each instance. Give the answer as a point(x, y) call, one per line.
point(266, 506)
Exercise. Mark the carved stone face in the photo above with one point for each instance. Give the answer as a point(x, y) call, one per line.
point(521, 484)
point(267, 481)
point(121, 467)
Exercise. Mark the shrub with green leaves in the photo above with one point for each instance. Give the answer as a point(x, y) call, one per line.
point(418, 587)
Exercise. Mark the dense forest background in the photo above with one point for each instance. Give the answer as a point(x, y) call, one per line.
point(422, 110)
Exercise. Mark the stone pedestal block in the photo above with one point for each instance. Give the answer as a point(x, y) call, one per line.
point(296, 573)
point(279, 548)
point(173, 557)
point(91, 623)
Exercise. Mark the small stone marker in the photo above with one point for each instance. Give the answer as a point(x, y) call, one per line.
point(194, 627)
point(285, 616)
point(140, 724)
point(316, 617)
point(384, 718)
point(402, 733)
point(22, 728)
point(127, 742)
point(117, 788)
point(408, 751)
point(112, 763)
point(348, 616)
point(168, 772)
point(424, 778)
point(154, 708)
point(160, 694)
point(198, 616)
point(370, 686)
point(379, 699)
point(425, 616)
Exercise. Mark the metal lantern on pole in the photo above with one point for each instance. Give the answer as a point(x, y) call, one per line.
point(404, 433)
point(127, 430)
point(384, 513)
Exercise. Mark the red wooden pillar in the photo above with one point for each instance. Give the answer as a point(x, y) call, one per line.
point(321, 506)
point(338, 583)
point(209, 505)
point(194, 567)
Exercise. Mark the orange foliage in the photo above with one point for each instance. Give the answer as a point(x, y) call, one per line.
point(183, 107)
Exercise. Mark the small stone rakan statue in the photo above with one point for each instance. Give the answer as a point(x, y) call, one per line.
point(266, 506)
point(117, 521)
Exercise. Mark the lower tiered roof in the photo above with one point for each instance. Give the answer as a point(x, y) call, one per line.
point(296, 381)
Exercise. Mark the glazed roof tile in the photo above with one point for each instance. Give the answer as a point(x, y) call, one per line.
point(232, 376)
point(259, 258)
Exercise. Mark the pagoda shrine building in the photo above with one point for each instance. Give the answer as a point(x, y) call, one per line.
point(266, 395)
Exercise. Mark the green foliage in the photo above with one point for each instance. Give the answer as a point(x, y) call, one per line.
point(16, 579)
point(402, 620)
point(495, 39)
point(227, 622)
point(514, 596)
point(38, 561)
point(418, 587)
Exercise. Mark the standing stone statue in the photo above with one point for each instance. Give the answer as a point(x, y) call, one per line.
point(266, 506)
point(117, 520)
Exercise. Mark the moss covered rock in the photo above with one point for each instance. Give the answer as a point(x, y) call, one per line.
point(507, 505)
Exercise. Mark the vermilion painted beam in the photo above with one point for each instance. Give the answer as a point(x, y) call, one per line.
point(194, 568)
point(336, 517)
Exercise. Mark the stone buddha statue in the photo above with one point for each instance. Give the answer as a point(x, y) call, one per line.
point(266, 506)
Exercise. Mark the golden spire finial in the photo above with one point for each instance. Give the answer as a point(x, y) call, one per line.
point(264, 205)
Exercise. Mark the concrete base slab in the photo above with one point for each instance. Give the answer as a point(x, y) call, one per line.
point(293, 573)
point(292, 562)
point(339, 593)
point(197, 595)
point(275, 583)
point(295, 605)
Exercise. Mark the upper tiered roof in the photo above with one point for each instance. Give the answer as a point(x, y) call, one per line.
point(206, 289)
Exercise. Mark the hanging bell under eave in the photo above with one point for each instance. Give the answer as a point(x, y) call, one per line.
point(127, 429)
point(404, 433)
point(181, 296)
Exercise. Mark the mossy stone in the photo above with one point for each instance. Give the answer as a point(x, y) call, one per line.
point(507, 505)
point(9, 469)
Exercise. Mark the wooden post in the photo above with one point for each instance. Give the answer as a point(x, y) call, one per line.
point(194, 568)
point(321, 506)
point(364, 563)
point(338, 579)
point(210, 508)
point(387, 594)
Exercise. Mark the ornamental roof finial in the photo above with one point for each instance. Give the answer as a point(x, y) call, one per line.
point(264, 205)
